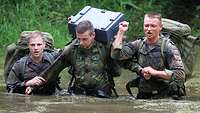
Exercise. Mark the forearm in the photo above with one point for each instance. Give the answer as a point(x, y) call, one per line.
point(117, 43)
point(172, 75)
point(163, 74)
point(166, 74)
point(16, 87)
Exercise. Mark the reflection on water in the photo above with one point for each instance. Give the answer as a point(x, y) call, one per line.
point(15, 103)
point(12, 103)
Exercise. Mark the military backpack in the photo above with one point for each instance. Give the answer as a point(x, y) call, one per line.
point(15, 51)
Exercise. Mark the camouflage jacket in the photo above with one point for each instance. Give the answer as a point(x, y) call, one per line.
point(25, 69)
point(90, 67)
point(150, 55)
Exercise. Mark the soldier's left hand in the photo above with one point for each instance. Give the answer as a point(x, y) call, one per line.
point(149, 70)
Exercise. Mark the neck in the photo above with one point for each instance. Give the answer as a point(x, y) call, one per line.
point(37, 59)
point(153, 40)
point(91, 44)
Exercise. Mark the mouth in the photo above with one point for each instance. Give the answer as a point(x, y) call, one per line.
point(36, 52)
point(149, 34)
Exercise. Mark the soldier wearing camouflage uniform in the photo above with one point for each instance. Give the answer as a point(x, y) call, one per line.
point(88, 61)
point(158, 76)
point(24, 74)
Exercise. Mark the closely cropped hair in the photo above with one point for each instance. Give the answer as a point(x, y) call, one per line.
point(84, 26)
point(153, 15)
point(35, 34)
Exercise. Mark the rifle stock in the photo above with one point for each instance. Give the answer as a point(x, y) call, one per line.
point(58, 65)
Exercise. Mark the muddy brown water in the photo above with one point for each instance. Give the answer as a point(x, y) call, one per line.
point(15, 103)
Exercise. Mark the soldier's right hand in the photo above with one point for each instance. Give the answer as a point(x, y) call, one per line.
point(123, 26)
point(70, 18)
point(36, 81)
point(28, 90)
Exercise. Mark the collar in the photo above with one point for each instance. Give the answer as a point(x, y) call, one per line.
point(44, 58)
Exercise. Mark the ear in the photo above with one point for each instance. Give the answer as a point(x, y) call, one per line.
point(161, 27)
point(93, 34)
point(44, 45)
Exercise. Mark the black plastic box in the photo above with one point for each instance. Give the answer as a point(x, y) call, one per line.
point(105, 22)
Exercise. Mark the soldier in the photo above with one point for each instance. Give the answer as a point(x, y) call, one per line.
point(24, 75)
point(161, 72)
point(89, 64)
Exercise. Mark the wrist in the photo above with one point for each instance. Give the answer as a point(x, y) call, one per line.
point(139, 71)
point(27, 83)
point(120, 33)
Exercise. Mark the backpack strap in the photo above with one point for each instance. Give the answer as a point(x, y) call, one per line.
point(22, 65)
point(50, 57)
point(140, 45)
point(163, 48)
point(104, 52)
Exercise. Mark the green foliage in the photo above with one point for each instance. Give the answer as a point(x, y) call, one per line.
point(51, 15)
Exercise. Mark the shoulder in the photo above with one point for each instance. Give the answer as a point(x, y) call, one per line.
point(51, 54)
point(137, 43)
point(19, 63)
point(103, 46)
point(69, 49)
point(23, 59)
point(171, 47)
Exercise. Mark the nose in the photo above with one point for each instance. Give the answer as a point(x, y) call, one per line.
point(81, 42)
point(149, 28)
point(35, 47)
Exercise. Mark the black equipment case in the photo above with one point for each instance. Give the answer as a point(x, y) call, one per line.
point(105, 22)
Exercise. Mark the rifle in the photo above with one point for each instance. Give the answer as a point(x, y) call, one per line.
point(57, 66)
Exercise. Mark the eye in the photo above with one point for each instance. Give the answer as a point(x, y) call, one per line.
point(153, 25)
point(146, 25)
point(32, 44)
point(39, 44)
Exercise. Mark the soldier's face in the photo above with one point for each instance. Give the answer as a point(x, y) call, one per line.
point(152, 27)
point(86, 39)
point(36, 47)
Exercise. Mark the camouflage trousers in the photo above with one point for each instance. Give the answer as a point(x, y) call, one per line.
point(103, 91)
point(93, 83)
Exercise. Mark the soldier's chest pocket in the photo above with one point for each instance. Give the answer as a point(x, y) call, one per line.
point(29, 74)
point(156, 60)
point(150, 58)
point(95, 59)
point(143, 57)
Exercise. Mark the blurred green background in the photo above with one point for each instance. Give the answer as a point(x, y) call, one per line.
point(51, 15)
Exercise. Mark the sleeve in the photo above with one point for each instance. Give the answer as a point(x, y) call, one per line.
point(175, 63)
point(127, 50)
point(14, 84)
point(62, 61)
point(132, 65)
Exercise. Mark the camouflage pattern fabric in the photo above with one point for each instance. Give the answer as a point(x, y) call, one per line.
point(88, 67)
point(175, 28)
point(151, 56)
point(187, 44)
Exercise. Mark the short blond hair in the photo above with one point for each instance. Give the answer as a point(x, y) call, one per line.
point(153, 15)
point(36, 34)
